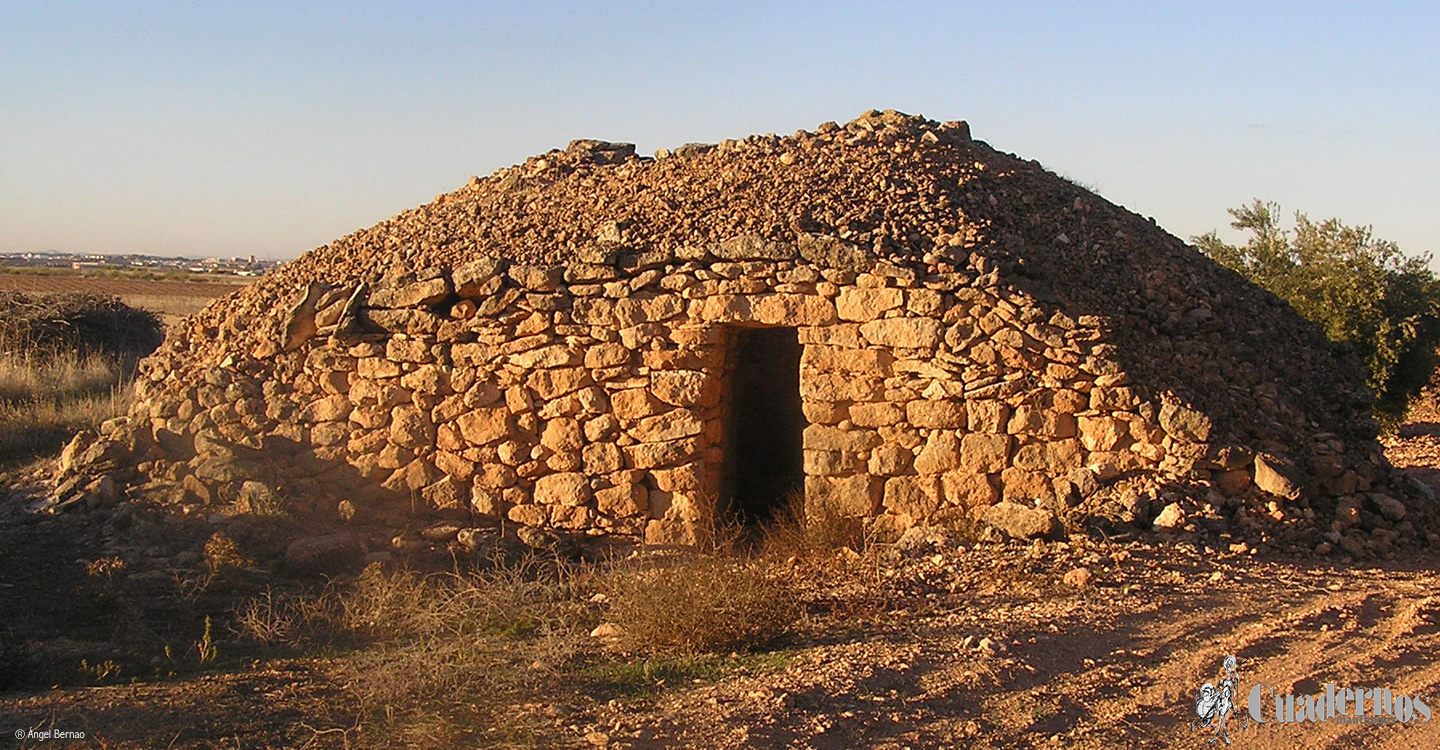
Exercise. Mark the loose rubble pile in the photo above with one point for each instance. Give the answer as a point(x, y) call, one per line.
point(547, 347)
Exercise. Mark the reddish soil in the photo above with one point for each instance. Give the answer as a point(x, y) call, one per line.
point(1117, 662)
point(37, 284)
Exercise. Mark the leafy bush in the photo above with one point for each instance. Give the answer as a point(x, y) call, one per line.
point(1361, 290)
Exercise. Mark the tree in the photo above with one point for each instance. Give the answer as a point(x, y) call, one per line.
point(1361, 290)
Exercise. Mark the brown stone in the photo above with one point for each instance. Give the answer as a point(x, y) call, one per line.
point(562, 435)
point(945, 415)
point(968, 490)
point(671, 425)
point(549, 384)
point(606, 355)
point(904, 333)
point(826, 438)
point(876, 414)
point(565, 488)
point(411, 428)
point(916, 497)
point(849, 496)
point(984, 453)
point(1102, 433)
point(864, 305)
point(987, 415)
point(940, 454)
point(683, 388)
point(1033, 420)
point(832, 463)
point(1184, 423)
point(890, 459)
point(334, 408)
point(484, 426)
point(1022, 522)
point(624, 501)
point(634, 404)
point(653, 455)
point(1276, 476)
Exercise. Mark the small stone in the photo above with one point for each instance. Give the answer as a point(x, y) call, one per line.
point(1021, 522)
point(1171, 517)
point(1078, 577)
point(606, 630)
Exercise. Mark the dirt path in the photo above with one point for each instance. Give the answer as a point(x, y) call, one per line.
point(983, 647)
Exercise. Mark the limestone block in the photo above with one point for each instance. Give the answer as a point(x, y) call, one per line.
point(329, 409)
point(1056, 457)
point(904, 333)
point(1102, 433)
point(826, 358)
point(671, 425)
point(1023, 522)
point(564, 488)
point(1184, 423)
point(890, 459)
point(374, 368)
point(827, 438)
point(549, 384)
point(1034, 420)
point(411, 428)
point(916, 497)
point(983, 453)
point(1277, 476)
point(655, 455)
point(446, 494)
point(647, 308)
point(685, 387)
point(528, 515)
point(1019, 485)
point(968, 490)
point(987, 415)
point(606, 355)
point(876, 415)
point(625, 501)
point(822, 386)
point(634, 404)
point(407, 349)
point(426, 379)
point(824, 412)
point(562, 435)
point(937, 414)
point(555, 355)
point(417, 294)
point(1112, 398)
point(495, 476)
point(536, 278)
point(832, 463)
point(454, 465)
point(941, 453)
point(856, 496)
point(484, 426)
point(792, 309)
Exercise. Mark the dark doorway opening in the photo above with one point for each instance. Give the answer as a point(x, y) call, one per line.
point(764, 462)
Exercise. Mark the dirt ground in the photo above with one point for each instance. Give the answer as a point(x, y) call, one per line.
point(983, 646)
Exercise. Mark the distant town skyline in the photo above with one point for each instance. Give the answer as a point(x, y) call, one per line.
point(223, 129)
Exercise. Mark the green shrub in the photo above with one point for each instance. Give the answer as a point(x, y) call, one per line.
point(1361, 290)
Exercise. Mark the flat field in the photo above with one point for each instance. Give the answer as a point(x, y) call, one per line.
point(172, 299)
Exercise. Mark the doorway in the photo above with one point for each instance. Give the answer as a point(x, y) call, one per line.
point(764, 459)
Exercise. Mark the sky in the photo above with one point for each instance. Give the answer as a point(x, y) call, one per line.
point(231, 129)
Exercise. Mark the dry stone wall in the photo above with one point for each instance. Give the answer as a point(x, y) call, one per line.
point(548, 347)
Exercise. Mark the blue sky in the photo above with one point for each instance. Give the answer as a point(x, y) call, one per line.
point(271, 128)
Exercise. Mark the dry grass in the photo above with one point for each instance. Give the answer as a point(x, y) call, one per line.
point(65, 364)
point(701, 603)
point(811, 532)
point(45, 401)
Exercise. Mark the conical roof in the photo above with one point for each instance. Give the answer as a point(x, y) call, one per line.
point(885, 187)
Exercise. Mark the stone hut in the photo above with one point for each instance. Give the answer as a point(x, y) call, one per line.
point(900, 321)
